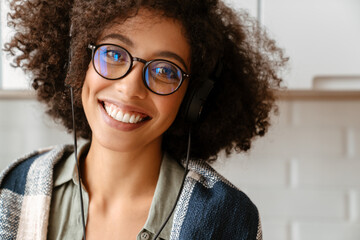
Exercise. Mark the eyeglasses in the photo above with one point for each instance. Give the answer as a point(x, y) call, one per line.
point(160, 76)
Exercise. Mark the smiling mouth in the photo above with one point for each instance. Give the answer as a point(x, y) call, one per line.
point(122, 116)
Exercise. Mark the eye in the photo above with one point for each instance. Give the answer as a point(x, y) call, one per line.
point(165, 72)
point(113, 55)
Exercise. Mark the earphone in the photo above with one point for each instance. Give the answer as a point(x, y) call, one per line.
point(197, 95)
point(195, 100)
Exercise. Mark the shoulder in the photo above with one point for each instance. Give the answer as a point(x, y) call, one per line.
point(25, 190)
point(208, 181)
point(32, 167)
point(216, 206)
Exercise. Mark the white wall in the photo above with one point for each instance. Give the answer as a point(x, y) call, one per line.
point(320, 36)
point(249, 5)
point(24, 128)
point(304, 175)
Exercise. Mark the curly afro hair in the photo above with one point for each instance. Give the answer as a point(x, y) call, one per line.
point(238, 108)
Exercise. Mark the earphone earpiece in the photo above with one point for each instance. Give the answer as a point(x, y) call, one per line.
point(196, 95)
point(195, 100)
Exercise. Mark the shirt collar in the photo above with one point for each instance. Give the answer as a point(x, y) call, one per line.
point(66, 170)
point(166, 191)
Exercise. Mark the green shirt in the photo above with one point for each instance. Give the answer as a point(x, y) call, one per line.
point(65, 211)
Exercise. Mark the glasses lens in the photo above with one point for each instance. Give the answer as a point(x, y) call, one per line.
point(111, 62)
point(163, 77)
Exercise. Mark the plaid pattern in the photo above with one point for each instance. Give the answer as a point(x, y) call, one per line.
point(25, 194)
point(209, 206)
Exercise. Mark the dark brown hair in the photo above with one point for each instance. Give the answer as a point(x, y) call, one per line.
point(236, 111)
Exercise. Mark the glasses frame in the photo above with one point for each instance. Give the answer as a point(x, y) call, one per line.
point(94, 48)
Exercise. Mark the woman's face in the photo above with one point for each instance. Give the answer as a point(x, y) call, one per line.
point(109, 105)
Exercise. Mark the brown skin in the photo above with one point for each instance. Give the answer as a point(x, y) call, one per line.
point(120, 171)
point(236, 112)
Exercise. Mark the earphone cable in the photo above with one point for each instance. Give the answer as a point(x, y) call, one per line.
point(181, 187)
point(79, 173)
point(77, 161)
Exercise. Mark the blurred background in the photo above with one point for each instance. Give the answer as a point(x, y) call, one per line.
point(304, 175)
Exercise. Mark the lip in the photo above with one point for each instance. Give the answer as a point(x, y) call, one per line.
point(121, 125)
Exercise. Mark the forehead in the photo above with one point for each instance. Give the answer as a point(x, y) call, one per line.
point(146, 22)
point(148, 31)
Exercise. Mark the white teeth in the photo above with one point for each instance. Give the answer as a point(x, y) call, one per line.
point(118, 115)
point(132, 119)
point(126, 118)
point(113, 112)
point(107, 108)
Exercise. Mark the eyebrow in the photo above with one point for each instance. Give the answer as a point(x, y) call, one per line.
point(130, 43)
point(168, 54)
point(119, 37)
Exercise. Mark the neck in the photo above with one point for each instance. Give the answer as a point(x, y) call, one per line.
point(109, 174)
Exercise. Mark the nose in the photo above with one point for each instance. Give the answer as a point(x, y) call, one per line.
point(132, 86)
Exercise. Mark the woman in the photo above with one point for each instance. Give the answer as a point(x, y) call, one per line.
point(136, 69)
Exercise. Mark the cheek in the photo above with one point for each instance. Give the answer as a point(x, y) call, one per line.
point(172, 103)
point(85, 90)
point(92, 83)
point(170, 108)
